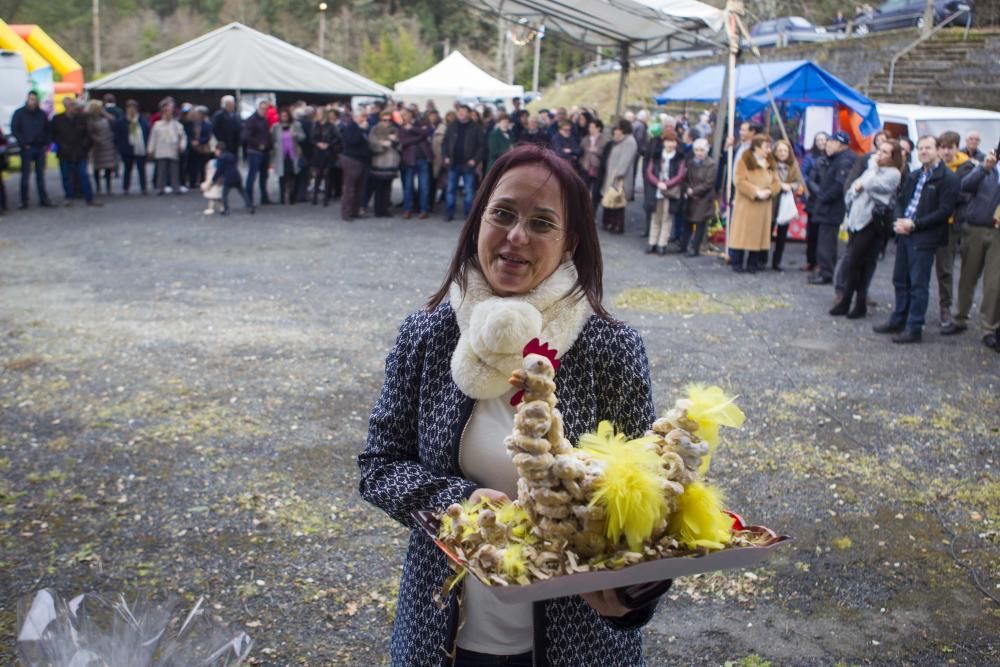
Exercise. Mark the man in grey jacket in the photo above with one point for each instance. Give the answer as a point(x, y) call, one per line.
point(980, 251)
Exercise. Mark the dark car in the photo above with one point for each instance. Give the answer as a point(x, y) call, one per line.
point(786, 30)
point(906, 13)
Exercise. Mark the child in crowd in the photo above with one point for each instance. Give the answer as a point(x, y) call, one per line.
point(227, 173)
point(211, 189)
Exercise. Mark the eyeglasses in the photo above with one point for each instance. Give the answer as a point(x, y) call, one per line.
point(505, 219)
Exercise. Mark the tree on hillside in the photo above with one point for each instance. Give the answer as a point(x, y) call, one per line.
point(394, 59)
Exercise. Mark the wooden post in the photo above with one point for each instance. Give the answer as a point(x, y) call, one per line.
point(621, 81)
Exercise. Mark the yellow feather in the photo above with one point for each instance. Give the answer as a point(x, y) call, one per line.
point(699, 520)
point(512, 562)
point(711, 409)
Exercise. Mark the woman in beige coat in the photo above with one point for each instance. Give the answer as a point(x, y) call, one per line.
point(757, 185)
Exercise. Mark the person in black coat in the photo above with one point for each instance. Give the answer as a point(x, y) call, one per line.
point(131, 133)
point(813, 167)
point(30, 126)
point(566, 145)
point(326, 143)
point(354, 159)
point(71, 135)
point(463, 149)
point(226, 125)
point(829, 210)
point(926, 202)
point(257, 143)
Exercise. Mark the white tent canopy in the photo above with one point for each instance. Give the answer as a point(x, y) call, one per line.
point(645, 27)
point(238, 58)
point(455, 77)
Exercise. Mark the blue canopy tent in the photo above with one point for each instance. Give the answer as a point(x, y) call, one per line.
point(798, 83)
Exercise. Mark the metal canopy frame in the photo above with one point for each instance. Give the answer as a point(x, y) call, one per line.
point(627, 28)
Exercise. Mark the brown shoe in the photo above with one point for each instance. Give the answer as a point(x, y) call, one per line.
point(422, 216)
point(407, 215)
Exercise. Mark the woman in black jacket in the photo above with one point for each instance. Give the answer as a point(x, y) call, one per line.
point(326, 151)
point(813, 167)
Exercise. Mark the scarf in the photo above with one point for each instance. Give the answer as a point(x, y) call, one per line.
point(494, 330)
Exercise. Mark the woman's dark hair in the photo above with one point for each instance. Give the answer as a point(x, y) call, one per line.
point(285, 111)
point(581, 233)
point(897, 153)
point(749, 159)
point(624, 126)
point(599, 123)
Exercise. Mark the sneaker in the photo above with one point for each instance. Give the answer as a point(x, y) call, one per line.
point(945, 316)
point(182, 190)
point(168, 190)
point(992, 341)
point(209, 211)
point(819, 280)
point(952, 328)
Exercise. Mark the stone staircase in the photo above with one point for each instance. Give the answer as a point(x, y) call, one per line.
point(945, 71)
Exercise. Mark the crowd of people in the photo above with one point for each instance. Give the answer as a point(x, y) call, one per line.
point(948, 206)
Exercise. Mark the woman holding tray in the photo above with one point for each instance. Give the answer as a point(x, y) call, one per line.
point(528, 265)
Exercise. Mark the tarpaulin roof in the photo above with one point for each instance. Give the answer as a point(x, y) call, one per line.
point(799, 83)
point(647, 27)
point(457, 76)
point(236, 57)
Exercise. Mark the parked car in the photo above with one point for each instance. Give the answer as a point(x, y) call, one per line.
point(786, 30)
point(906, 13)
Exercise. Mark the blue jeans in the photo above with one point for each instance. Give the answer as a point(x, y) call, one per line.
point(911, 276)
point(38, 156)
point(257, 167)
point(422, 171)
point(71, 170)
point(468, 176)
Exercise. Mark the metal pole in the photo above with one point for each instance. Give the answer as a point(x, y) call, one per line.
point(538, 56)
point(322, 30)
point(621, 82)
point(97, 37)
point(723, 113)
point(733, 9)
point(501, 34)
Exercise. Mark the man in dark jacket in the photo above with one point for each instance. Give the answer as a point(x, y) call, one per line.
point(565, 144)
point(944, 261)
point(226, 125)
point(354, 158)
point(830, 208)
point(71, 134)
point(463, 148)
point(925, 204)
point(257, 142)
point(980, 251)
point(30, 126)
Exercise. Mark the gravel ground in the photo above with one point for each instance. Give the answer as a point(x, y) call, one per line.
point(183, 399)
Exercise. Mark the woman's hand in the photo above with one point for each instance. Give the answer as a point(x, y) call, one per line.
point(787, 187)
point(690, 192)
point(606, 603)
point(763, 194)
point(488, 494)
point(858, 187)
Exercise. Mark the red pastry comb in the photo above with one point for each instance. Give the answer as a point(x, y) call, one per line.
point(535, 346)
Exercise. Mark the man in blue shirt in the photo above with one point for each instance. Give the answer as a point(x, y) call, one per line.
point(926, 202)
point(30, 126)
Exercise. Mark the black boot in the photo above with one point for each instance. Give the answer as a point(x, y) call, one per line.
point(860, 310)
point(651, 250)
point(841, 307)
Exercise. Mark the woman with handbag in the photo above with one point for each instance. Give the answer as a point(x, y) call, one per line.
point(665, 170)
point(792, 186)
point(756, 187)
point(618, 176)
point(384, 143)
point(871, 212)
point(699, 192)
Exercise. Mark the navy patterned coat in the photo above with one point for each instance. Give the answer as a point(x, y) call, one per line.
point(410, 462)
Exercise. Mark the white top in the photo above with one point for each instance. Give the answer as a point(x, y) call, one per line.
point(490, 626)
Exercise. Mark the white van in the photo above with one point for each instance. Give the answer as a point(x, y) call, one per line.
point(915, 121)
point(14, 86)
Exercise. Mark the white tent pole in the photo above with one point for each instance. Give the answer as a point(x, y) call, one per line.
point(767, 86)
point(501, 35)
point(538, 56)
point(733, 9)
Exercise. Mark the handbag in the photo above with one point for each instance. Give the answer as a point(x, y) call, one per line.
point(673, 192)
point(614, 196)
point(787, 210)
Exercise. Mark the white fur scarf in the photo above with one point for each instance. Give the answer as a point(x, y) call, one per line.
point(496, 329)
